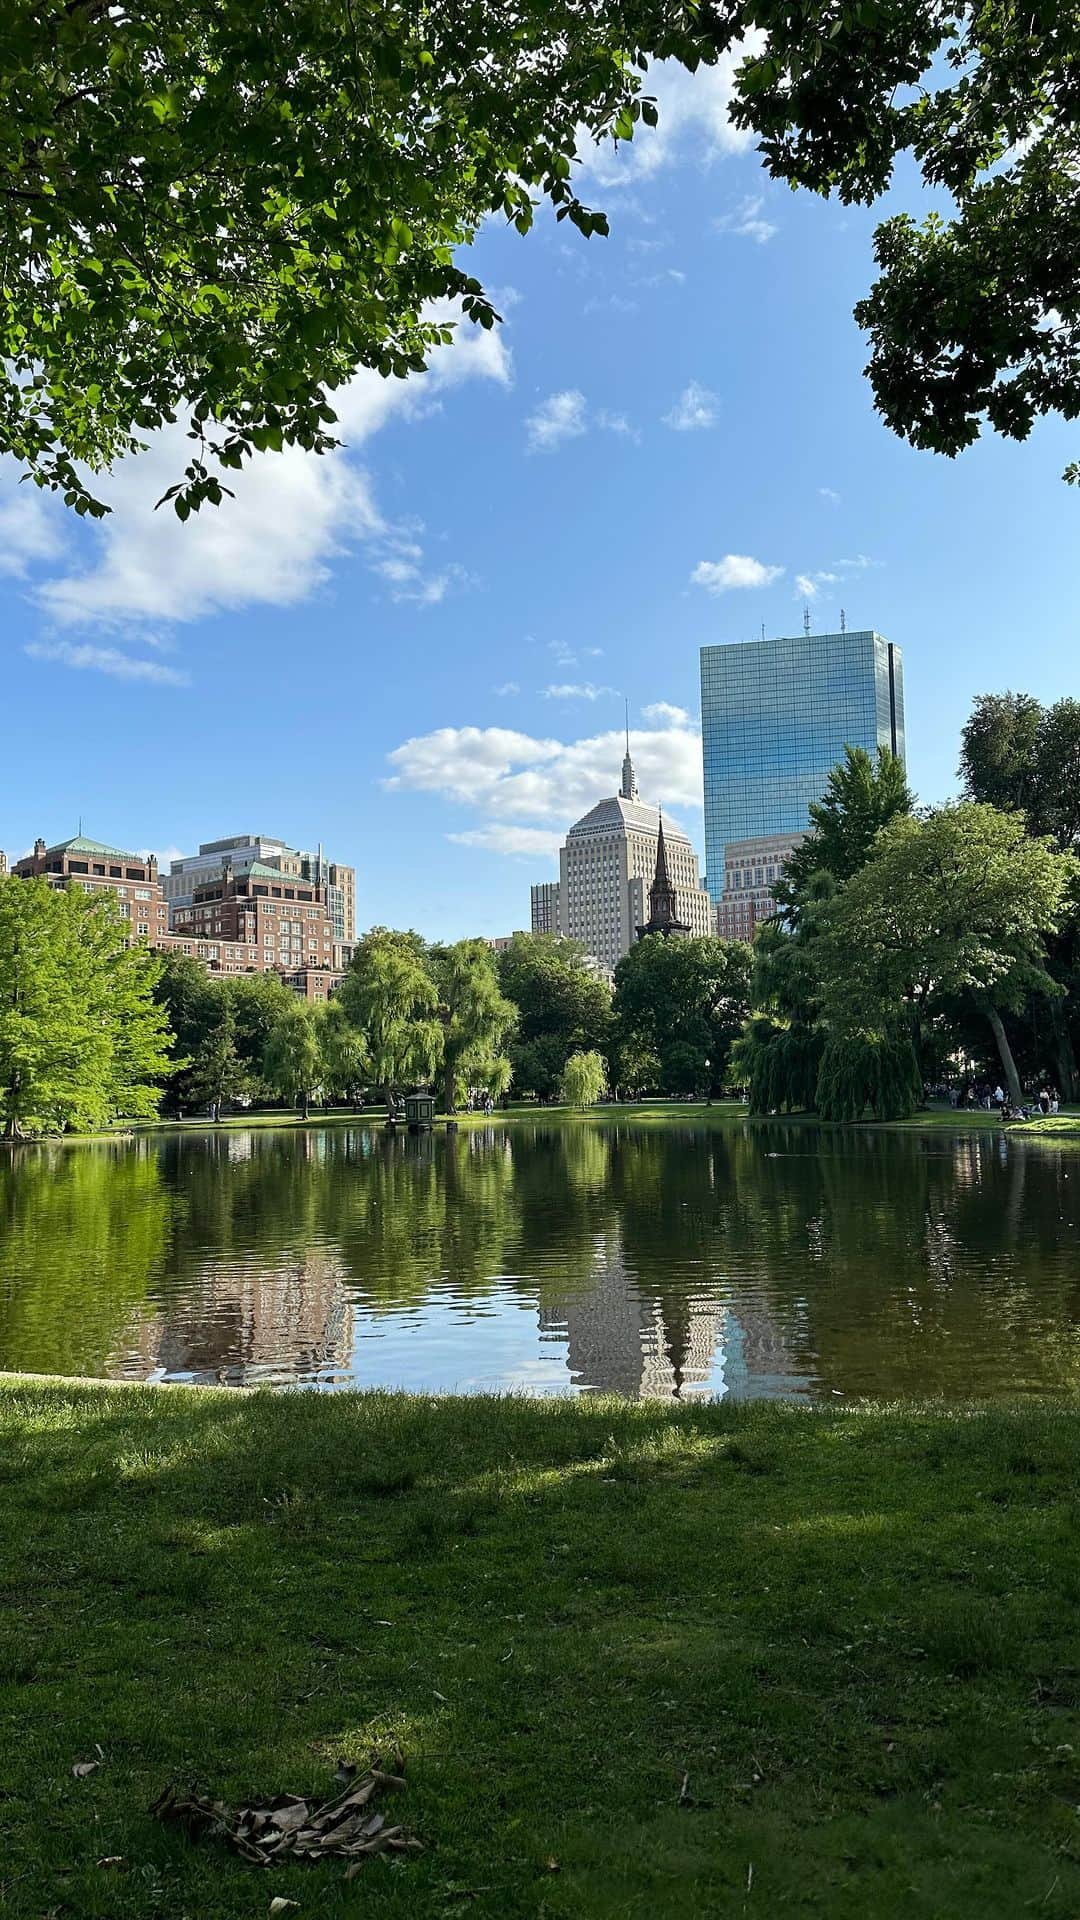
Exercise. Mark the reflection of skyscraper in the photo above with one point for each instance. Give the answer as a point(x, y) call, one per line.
point(623, 1340)
point(241, 1327)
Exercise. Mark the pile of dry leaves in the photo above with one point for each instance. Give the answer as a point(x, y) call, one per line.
point(288, 1828)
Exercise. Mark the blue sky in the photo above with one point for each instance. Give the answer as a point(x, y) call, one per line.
point(418, 650)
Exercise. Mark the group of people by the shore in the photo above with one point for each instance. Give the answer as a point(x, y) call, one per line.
point(969, 1096)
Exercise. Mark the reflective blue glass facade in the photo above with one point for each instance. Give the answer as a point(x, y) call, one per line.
point(776, 716)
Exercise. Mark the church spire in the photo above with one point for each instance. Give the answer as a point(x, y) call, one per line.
point(663, 899)
point(629, 788)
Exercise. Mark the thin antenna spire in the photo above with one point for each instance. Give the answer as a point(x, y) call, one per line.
point(843, 621)
point(806, 620)
point(763, 629)
point(628, 726)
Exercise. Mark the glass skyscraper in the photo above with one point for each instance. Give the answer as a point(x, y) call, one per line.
point(776, 716)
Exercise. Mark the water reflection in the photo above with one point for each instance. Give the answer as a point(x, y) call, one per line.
point(656, 1263)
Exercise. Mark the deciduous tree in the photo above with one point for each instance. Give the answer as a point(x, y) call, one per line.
point(392, 1000)
point(685, 1001)
point(294, 1062)
point(476, 1018)
point(82, 1039)
point(563, 1008)
point(219, 213)
point(584, 1080)
point(861, 796)
point(958, 905)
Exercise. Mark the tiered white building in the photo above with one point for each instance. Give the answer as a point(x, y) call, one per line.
point(606, 870)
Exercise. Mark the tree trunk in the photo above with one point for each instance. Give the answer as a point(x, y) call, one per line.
point(1012, 1078)
point(448, 1092)
point(304, 1103)
point(1063, 1053)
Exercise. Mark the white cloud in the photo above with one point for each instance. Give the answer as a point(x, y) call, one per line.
point(830, 494)
point(693, 117)
point(695, 408)
point(734, 570)
point(663, 710)
point(508, 687)
point(808, 584)
point(560, 417)
point(110, 660)
point(746, 221)
point(517, 778)
point(31, 524)
point(530, 841)
point(577, 690)
point(617, 423)
point(166, 855)
point(293, 514)
point(566, 416)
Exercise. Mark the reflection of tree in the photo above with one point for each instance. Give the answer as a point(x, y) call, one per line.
point(83, 1235)
point(902, 1264)
point(763, 1256)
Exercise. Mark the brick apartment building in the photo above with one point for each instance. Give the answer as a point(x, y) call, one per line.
point(240, 852)
point(132, 878)
point(270, 921)
point(257, 922)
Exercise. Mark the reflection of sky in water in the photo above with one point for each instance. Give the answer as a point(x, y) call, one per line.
point(675, 1262)
point(441, 1349)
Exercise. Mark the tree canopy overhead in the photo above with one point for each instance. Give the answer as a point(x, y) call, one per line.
point(217, 212)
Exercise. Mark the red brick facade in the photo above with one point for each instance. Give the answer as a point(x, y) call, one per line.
point(132, 879)
point(262, 922)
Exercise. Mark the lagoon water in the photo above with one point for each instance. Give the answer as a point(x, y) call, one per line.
point(656, 1261)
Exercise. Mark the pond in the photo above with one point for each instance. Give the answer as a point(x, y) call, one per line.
point(656, 1261)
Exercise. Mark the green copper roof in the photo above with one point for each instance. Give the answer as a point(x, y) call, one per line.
point(81, 845)
point(275, 873)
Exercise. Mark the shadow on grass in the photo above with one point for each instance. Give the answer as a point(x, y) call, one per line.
point(654, 1648)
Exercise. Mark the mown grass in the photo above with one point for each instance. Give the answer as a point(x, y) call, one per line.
point(639, 1661)
point(645, 1113)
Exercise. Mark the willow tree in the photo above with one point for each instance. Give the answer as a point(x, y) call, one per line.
point(391, 999)
point(82, 1040)
point(584, 1080)
point(954, 907)
point(477, 1020)
point(294, 1062)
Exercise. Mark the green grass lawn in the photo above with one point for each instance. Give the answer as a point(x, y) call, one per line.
point(638, 1662)
point(649, 1113)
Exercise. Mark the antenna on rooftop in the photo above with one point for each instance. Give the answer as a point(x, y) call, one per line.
point(806, 620)
point(80, 826)
point(628, 726)
point(763, 629)
point(843, 621)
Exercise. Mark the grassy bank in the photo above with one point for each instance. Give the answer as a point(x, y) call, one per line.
point(638, 1662)
point(646, 1113)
